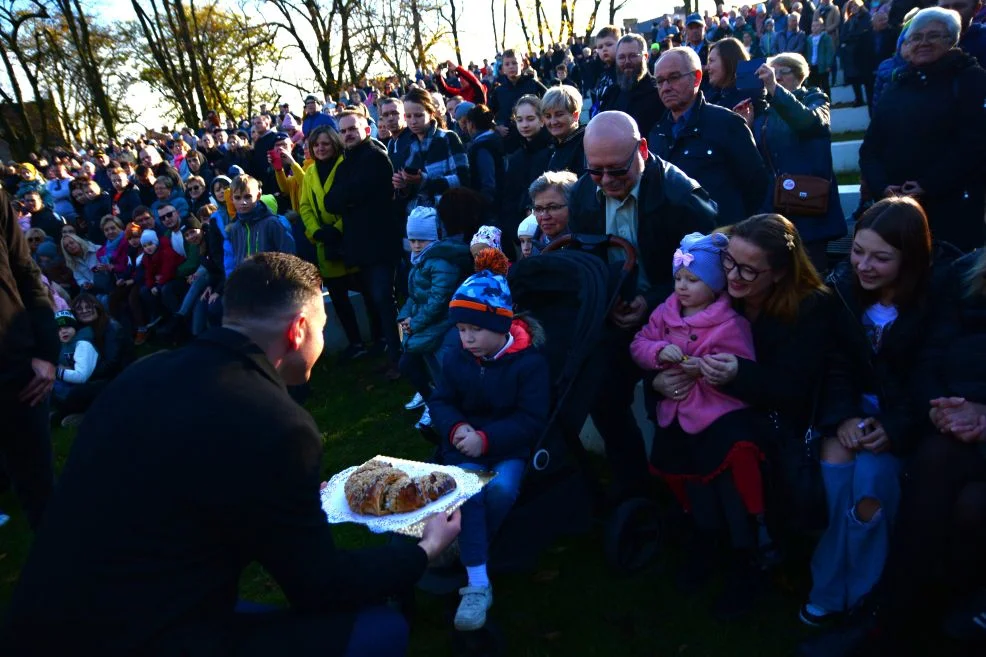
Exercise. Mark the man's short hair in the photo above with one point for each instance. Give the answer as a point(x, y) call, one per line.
point(633, 38)
point(686, 53)
point(388, 100)
point(359, 115)
point(269, 285)
point(608, 31)
point(510, 52)
point(243, 183)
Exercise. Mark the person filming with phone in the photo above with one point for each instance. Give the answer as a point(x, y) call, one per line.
point(709, 143)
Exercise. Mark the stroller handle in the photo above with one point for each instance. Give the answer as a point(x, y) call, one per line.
point(612, 240)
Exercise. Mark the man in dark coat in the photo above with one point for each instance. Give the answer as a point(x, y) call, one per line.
point(652, 204)
point(187, 500)
point(363, 195)
point(636, 91)
point(314, 116)
point(709, 143)
point(29, 349)
point(42, 216)
point(258, 166)
point(510, 86)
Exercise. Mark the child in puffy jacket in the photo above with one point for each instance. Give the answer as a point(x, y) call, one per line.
point(490, 407)
point(703, 446)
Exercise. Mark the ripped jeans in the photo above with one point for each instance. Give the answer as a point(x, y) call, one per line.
point(850, 555)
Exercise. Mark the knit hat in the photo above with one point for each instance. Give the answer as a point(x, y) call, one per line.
point(47, 249)
point(65, 318)
point(288, 123)
point(29, 167)
point(190, 222)
point(488, 235)
point(528, 227)
point(462, 109)
point(235, 170)
point(311, 98)
point(225, 179)
point(655, 47)
point(422, 224)
point(483, 300)
point(700, 255)
point(148, 237)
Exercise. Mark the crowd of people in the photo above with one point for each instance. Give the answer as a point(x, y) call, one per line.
point(781, 382)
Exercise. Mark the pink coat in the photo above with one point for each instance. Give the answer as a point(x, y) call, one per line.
point(716, 330)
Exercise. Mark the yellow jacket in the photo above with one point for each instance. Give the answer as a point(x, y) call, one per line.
point(311, 207)
point(292, 186)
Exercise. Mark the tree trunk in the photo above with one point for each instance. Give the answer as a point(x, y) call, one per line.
point(455, 31)
point(566, 20)
point(503, 34)
point(24, 138)
point(189, 46)
point(537, 15)
point(523, 27)
point(79, 30)
point(591, 26)
point(493, 14)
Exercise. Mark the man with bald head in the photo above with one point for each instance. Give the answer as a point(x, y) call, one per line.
point(652, 204)
point(711, 144)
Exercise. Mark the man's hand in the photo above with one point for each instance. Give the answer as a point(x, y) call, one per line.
point(630, 315)
point(39, 386)
point(439, 531)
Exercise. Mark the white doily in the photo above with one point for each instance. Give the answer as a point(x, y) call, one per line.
point(337, 509)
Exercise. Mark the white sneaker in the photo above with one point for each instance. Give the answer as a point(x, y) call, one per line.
point(417, 401)
point(425, 421)
point(476, 600)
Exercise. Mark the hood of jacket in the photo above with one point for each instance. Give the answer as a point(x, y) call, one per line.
point(259, 212)
point(718, 312)
point(452, 249)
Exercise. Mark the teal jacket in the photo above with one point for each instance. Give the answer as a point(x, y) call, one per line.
point(430, 286)
point(826, 52)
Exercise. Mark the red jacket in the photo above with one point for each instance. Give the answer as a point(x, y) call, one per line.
point(163, 263)
point(471, 89)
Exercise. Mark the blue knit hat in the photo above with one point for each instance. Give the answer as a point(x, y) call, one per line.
point(422, 224)
point(700, 254)
point(483, 300)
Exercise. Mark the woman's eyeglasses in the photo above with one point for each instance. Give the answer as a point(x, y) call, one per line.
point(194, 188)
point(551, 208)
point(746, 272)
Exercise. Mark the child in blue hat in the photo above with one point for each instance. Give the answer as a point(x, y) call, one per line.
point(490, 408)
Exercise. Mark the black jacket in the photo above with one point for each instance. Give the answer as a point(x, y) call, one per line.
point(892, 373)
point(671, 205)
point(568, 155)
point(27, 322)
point(502, 99)
point(642, 102)
point(941, 109)
point(522, 168)
point(46, 220)
point(185, 502)
point(363, 194)
point(716, 148)
point(258, 166)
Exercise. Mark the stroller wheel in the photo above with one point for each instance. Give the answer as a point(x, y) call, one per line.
point(632, 535)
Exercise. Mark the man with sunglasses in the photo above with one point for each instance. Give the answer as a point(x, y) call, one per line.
point(629, 193)
point(711, 144)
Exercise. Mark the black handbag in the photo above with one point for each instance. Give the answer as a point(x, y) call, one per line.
point(796, 493)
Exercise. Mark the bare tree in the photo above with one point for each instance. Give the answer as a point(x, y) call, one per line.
point(493, 14)
point(537, 16)
point(614, 7)
point(591, 25)
point(453, 22)
point(21, 137)
point(523, 27)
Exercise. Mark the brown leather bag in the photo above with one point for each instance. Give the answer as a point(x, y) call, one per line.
point(797, 194)
point(801, 195)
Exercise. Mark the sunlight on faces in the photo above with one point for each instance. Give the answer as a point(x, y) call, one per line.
point(111, 230)
point(876, 263)
point(744, 255)
point(323, 148)
point(611, 150)
point(929, 44)
point(417, 118)
point(551, 212)
point(353, 130)
point(480, 342)
point(246, 200)
point(510, 67)
point(560, 122)
point(677, 85)
point(715, 69)
point(691, 291)
point(527, 120)
point(161, 190)
point(91, 191)
point(119, 180)
point(70, 246)
point(606, 48)
point(630, 59)
point(392, 116)
point(168, 216)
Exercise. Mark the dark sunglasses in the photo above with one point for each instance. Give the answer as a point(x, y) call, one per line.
point(165, 215)
point(194, 188)
point(616, 173)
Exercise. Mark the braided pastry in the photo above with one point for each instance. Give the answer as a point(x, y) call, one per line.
point(377, 488)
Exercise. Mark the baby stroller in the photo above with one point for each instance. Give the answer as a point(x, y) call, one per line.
point(569, 289)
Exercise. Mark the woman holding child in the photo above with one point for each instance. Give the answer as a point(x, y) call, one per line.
point(773, 286)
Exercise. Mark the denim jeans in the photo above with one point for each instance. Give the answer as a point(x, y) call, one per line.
point(377, 286)
point(484, 512)
point(195, 290)
point(207, 315)
point(421, 370)
point(849, 558)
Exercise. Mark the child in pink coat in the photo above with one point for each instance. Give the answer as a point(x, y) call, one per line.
point(704, 446)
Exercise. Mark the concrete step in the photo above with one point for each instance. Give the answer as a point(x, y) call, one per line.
point(845, 156)
point(335, 337)
point(849, 119)
point(842, 94)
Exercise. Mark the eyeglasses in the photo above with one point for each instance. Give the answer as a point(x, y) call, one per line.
point(746, 272)
point(929, 37)
point(629, 57)
point(193, 188)
point(616, 173)
point(673, 78)
point(783, 71)
point(167, 215)
point(551, 208)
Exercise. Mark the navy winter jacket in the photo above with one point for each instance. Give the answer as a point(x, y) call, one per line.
point(507, 399)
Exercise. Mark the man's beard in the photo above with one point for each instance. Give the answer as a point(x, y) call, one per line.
point(629, 80)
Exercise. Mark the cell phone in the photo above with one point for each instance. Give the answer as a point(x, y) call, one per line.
point(746, 74)
point(275, 158)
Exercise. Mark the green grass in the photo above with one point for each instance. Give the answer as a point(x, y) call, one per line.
point(573, 605)
point(852, 135)
point(848, 178)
